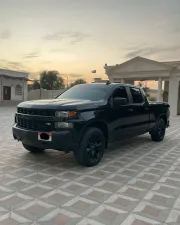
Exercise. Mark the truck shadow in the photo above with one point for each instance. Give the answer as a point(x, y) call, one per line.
point(115, 150)
point(131, 143)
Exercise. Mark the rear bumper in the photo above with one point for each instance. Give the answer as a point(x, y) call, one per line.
point(61, 140)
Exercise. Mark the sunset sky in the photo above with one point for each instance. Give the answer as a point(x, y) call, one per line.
point(76, 36)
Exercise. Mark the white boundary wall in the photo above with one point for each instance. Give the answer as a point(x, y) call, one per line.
point(43, 94)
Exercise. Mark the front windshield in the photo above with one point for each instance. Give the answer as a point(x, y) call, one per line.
point(86, 92)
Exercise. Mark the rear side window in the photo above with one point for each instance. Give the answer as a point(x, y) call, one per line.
point(136, 95)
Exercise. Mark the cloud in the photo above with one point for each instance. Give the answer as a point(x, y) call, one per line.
point(76, 75)
point(34, 75)
point(176, 30)
point(72, 75)
point(148, 51)
point(31, 55)
point(58, 50)
point(5, 35)
point(70, 37)
point(11, 65)
point(161, 23)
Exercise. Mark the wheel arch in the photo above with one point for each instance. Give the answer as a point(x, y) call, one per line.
point(100, 125)
point(164, 117)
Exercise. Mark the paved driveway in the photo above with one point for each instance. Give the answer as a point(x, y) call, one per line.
point(137, 183)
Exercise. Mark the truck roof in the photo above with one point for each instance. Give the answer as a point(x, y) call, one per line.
point(113, 84)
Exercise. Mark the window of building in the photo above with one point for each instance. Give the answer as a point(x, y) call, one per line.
point(18, 90)
point(136, 95)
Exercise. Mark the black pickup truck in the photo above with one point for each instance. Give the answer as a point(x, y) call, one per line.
point(86, 117)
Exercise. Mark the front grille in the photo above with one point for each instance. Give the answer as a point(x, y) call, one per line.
point(35, 119)
point(38, 112)
point(35, 125)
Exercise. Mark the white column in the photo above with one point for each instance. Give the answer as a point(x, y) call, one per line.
point(122, 81)
point(173, 95)
point(159, 94)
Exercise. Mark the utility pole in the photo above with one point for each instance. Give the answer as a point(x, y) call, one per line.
point(40, 85)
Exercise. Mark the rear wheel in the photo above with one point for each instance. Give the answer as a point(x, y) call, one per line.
point(159, 130)
point(33, 149)
point(91, 149)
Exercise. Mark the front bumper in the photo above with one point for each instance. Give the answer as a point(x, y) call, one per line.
point(61, 140)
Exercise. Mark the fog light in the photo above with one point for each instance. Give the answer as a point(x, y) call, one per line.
point(63, 125)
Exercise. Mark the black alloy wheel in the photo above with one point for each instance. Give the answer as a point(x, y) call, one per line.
point(159, 130)
point(91, 149)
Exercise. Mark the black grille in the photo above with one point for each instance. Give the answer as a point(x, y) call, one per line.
point(38, 112)
point(30, 124)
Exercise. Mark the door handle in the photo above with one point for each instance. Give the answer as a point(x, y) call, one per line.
point(146, 108)
point(130, 110)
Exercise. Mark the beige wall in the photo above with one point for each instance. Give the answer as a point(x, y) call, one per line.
point(43, 94)
point(179, 100)
point(153, 93)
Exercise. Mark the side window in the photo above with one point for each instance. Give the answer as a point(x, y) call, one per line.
point(136, 95)
point(120, 93)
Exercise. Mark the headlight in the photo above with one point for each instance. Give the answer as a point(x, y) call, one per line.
point(63, 125)
point(66, 114)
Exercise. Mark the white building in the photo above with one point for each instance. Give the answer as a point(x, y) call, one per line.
point(13, 87)
point(143, 69)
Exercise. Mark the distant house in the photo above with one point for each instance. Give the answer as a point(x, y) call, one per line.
point(13, 87)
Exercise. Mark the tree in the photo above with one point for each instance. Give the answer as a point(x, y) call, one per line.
point(35, 85)
point(51, 80)
point(146, 89)
point(78, 81)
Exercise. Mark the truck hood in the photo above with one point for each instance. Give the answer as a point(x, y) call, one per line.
point(62, 104)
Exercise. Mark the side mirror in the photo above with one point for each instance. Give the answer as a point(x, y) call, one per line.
point(117, 102)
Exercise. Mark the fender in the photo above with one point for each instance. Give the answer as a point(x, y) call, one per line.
point(96, 123)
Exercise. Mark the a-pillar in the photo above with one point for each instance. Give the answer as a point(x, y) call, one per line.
point(159, 94)
point(173, 95)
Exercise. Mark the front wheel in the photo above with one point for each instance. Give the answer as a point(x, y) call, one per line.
point(91, 149)
point(159, 130)
point(32, 149)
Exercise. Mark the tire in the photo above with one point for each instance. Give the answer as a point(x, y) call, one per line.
point(159, 130)
point(91, 148)
point(33, 149)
